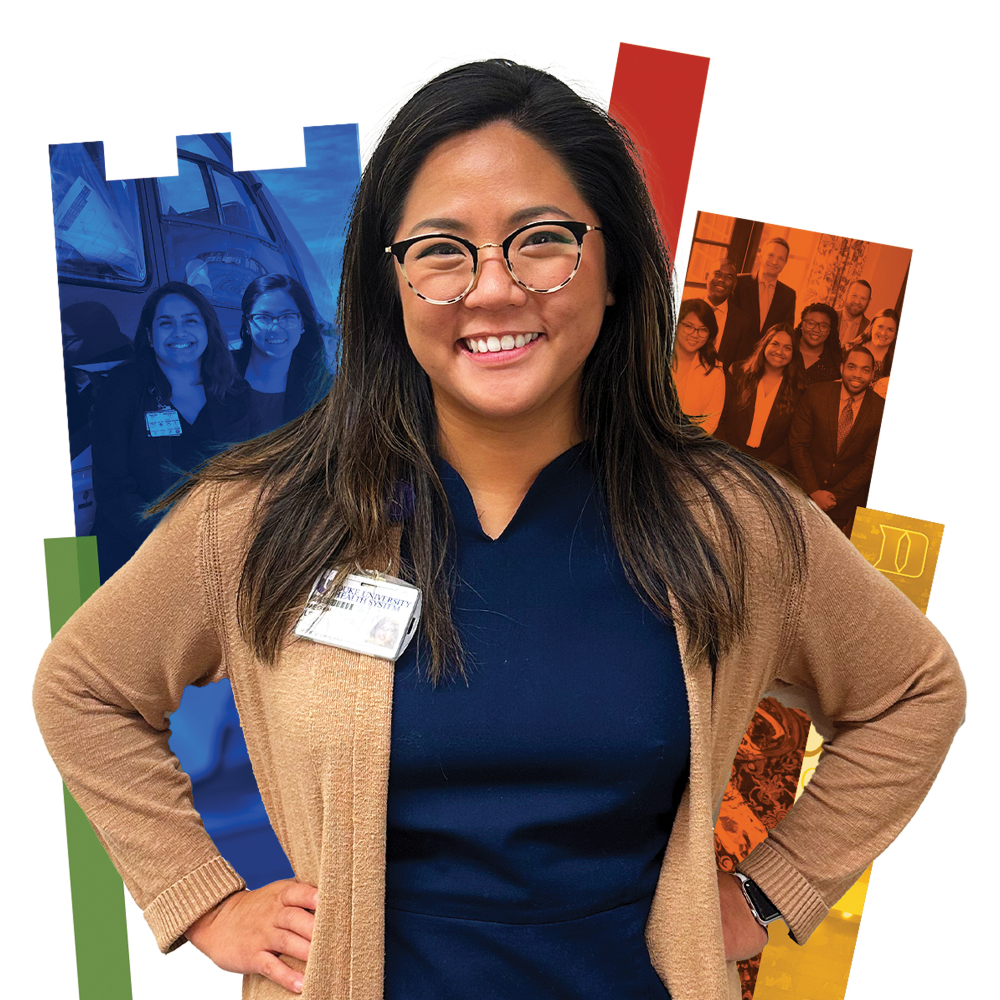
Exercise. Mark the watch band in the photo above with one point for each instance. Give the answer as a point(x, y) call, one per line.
point(763, 910)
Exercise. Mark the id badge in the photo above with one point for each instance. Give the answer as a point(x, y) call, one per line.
point(165, 422)
point(372, 614)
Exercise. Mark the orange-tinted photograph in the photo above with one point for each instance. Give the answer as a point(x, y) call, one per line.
point(785, 344)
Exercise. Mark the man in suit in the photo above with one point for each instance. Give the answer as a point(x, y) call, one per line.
point(761, 296)
point(853, 321)
point(737, 335)
point(834, 435)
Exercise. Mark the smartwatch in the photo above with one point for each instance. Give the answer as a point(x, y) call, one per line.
point(763, 910)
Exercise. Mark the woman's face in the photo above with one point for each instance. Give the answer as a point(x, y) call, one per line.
point(692, 334)
point(178, 335)
point(883, 331)
point(778, 352)
point(275, 324)
point(815, 328)
point(482, 185)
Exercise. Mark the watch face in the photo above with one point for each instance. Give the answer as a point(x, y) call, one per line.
point(766, 910)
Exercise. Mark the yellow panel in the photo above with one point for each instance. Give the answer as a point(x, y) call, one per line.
point(905, 550)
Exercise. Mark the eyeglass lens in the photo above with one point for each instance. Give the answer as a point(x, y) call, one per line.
point(287, 321)
point(690, 328)
point(541, 259)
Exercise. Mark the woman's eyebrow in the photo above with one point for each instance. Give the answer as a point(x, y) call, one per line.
point(526, 214)
point(442, 224)
point(447, 224)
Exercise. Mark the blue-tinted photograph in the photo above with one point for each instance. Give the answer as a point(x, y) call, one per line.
point(197, 311)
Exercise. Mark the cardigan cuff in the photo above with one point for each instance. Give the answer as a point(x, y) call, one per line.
point(177, 908)
point(802, 908)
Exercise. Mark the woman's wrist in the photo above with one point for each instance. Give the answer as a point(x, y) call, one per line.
point(209, 916)
point(760, 906)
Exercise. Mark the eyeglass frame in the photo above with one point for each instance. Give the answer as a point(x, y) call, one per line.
point(257, 319)
point(813, 325)
point(693, 328)
point(578, 229)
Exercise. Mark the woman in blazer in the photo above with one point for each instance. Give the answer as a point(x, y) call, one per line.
point(179, 402)
point(522, 803)
point(760, 406)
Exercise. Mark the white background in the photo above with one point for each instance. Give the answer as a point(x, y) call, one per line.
point(877, 123)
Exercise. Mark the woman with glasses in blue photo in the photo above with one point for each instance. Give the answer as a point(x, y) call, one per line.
point(282, 355)
point(521, 803)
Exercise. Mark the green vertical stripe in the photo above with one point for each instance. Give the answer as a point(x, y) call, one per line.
point(98, 894)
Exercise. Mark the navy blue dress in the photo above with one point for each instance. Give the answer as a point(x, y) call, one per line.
point(530, 808)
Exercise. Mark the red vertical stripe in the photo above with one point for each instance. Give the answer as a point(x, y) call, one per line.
point(657, 96)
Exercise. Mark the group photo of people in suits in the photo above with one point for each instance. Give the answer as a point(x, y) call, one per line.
point(784, 349)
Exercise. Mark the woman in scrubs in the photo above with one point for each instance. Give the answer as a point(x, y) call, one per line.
point(521, 805)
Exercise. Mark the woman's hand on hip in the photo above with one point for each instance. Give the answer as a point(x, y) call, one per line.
point(742, 936)
point(247, 932)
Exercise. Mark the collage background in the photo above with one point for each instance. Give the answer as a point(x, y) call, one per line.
point(839, 119)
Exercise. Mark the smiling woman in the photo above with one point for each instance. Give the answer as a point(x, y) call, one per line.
point(522, 803)
point(766, 387)
point(179, 402)
point(525, 397)
point(698, 376)
point(282, 356)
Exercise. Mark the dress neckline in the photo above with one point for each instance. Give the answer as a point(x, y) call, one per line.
point(543, 490)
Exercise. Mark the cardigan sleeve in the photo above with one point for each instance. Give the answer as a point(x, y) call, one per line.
point(890, 686)
point(103, 696)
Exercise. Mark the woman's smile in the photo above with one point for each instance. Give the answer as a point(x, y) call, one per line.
point(275, 324)
point(502, 351)
point(510, 345)
point(883, 331)
point(778, 352)
point(178, 334)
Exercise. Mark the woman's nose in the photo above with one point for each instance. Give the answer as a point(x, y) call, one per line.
point(495, 286)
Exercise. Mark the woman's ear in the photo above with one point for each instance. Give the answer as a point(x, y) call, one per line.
point(609, 299)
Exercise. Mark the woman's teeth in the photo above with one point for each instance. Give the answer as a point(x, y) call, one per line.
point(491, 345)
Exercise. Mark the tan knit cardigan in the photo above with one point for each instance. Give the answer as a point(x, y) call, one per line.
point(317, 728)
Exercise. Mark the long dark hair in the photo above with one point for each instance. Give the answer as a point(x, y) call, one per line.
point(866, 340)
point(335, 482)
point(752, 370)
point(308, 376)
point(218, 373)
point(706, 353)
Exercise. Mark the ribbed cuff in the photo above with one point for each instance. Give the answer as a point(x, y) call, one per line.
point(177, 908)
point(802, 908)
